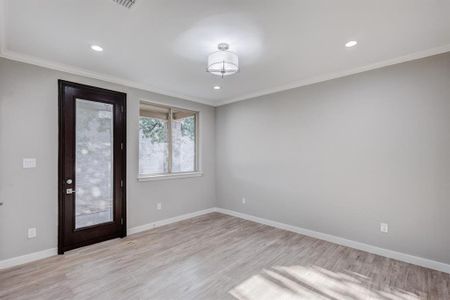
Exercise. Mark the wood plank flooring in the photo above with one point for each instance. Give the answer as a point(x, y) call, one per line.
point(216, 256)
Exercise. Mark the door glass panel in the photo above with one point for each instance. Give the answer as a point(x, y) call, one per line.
point(93, 163)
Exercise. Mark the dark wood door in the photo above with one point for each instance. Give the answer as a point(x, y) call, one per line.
point(92, 165)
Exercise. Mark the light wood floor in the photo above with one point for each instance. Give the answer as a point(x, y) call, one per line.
point(221, 257)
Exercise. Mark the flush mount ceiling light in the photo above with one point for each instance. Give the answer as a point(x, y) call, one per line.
point(223, 62)
point(351, 44)
point(96, 48)
point(217, 87)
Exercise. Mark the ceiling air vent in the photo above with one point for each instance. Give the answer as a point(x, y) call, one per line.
point(126, 3)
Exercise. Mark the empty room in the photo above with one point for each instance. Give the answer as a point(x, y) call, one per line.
point(224, 149)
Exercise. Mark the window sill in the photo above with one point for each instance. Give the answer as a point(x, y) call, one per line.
point(169, 176)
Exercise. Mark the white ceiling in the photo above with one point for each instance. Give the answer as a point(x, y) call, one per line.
point(162, 45)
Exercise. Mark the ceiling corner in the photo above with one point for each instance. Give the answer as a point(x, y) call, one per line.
point(326, 77)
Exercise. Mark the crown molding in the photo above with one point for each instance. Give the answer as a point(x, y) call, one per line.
point(33, 60)
point(12, 55)
point(326, 77)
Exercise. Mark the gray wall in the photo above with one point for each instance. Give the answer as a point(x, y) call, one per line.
point(29, 128)
point(337, 157)
point(342, 156)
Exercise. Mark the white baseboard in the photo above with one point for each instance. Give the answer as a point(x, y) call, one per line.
point(148, 226)
point(19, 260)
point(420, 261)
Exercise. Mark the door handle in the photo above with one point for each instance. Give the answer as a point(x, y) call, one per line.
point(70, 191)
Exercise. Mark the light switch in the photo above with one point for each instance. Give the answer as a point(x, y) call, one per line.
point(29, 163)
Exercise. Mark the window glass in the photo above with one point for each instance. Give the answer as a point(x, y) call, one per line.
point(183, 141)
point(167, 140)
point(153, 146)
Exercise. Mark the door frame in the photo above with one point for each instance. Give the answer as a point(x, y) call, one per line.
point(62, 84)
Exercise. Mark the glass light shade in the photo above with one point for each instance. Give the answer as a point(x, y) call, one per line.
point(223, 63)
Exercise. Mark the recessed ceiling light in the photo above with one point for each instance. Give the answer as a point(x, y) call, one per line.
point(351, 44)
point(97, 48)
point(217, 87)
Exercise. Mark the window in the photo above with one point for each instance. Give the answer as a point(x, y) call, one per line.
point(168, 140)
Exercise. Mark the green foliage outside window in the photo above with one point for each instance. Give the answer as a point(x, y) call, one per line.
point(155, 129)
point(188, 127)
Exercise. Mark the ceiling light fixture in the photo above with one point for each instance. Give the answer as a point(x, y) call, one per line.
point(223, 62)
point(97, 48)
point(351, 44)
point(217, 87)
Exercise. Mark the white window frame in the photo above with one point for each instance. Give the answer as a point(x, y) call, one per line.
point(173, 175)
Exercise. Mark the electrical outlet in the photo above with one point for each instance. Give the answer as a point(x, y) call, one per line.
point(384, 227)
point(28, 163)
point(159, 206)
point(244, 201)
point(32, 233)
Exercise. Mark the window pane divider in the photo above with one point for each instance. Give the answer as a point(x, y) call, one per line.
point(197, 144)
point(169, 133)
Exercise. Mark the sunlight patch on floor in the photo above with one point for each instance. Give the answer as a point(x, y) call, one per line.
point(298, 282)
